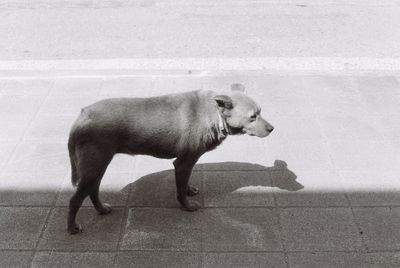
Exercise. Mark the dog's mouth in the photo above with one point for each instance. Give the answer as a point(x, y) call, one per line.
point(236, 130)
point(261, 135)
point(249, 133)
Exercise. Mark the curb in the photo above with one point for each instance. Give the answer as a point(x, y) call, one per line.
point(199, 66)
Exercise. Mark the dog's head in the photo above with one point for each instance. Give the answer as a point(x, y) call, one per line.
point(242, 114)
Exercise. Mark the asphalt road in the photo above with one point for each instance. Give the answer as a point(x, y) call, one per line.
point(82, 29)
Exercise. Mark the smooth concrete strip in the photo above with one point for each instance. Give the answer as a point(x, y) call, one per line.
point(269, 63)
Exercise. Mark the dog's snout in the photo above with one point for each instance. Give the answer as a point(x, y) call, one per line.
point(270, 129)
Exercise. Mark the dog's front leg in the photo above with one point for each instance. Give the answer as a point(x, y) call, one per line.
point(183, 170)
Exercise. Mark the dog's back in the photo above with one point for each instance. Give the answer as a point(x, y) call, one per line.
point(179, 121)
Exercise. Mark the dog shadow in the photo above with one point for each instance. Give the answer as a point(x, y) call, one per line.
point(220, 184)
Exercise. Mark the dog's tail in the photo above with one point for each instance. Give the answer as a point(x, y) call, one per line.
point(71, 150)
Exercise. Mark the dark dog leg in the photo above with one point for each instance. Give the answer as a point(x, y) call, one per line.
point(183, 170)
point(91, 166)
point(191, 190)
point(74, 204)
point(102, 208)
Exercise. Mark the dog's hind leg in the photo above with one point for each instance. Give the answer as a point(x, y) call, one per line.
point(92, 162)
point(183, 170)
point(102, 208)
point(192, 191)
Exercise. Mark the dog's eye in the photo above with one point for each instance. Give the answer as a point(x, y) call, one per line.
point(253, 117)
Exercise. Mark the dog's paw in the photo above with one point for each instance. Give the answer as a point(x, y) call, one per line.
point(192, 190)
point(192, 206)
point(106, 209)
point(76, 229)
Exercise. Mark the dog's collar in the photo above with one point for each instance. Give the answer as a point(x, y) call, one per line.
point(222, 125)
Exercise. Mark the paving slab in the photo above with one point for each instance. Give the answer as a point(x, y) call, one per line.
point(240, 229)
point(374, 85)
point(279, 86)
point(6, 149)
point(65, 105)
point(380, 104)
point(304, 127)
point(126, 87)
point(299, 155)
point(365, 156)
point(389, 127)
point(19, 107)
point(72, 259)
point(13, 129)
point(280, 95)
point(281, 105)
point(238, 189)
point(339, 127)
point(15, 258)
point(330, 95)
point(273, 260)
point(309, 188)
point(317, 229)
point(341, 259)
point(384, 104)
point(148, 259)
point(184, 83)
point(379, 188)
point(26, 87)
point(49, 128)
point(159, 190)
point(100, 232)
point(82, 87)
point(30, 189)
point(20, 228)
point(379, 227)
point(38, 157)
point(162, 229)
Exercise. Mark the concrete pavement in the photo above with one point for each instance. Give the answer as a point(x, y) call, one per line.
point(321, 191)
point(80, 29)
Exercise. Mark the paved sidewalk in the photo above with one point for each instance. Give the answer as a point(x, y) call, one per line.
point(322, 190)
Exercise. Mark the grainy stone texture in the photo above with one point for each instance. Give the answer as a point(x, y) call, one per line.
point(240, 229)
point(238, 189)
point(70, 259)
point(379, 227)
point(275, 260)
point(21, 227)
point(162, 229)
point(340, 259)
point(15, 258)
point(332, 229)
point(100, 232)
point(149, 259)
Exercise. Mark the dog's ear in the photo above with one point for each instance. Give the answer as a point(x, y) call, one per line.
point(223, 101)
point(280, 164)
point(237, 87)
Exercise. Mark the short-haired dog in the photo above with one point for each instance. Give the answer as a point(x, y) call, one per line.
point(182, 126)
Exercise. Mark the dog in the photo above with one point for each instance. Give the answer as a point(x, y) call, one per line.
point(182, 126)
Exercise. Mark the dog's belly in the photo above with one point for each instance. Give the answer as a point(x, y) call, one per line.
point(152, 148)
point(154, 153)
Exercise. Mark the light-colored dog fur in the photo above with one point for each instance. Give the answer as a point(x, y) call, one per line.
point(182, 126)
